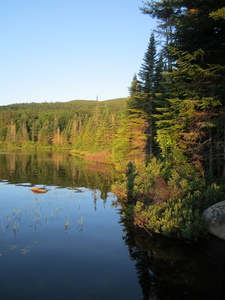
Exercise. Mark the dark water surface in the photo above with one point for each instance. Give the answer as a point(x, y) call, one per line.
point(73, 243)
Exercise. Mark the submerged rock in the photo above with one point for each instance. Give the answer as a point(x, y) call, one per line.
point(215, 219)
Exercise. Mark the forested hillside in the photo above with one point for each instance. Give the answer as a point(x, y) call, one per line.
point(80, 124)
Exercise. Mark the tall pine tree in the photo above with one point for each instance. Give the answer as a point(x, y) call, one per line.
point(147, 71)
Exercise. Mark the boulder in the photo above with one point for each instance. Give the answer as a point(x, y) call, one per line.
point(215, 219)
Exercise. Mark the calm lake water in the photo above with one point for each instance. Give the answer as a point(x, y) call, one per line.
point(72, 242)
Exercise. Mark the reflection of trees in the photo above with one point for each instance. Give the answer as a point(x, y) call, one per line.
point(52, 169)
point(143, 262)
point(171, 269)
point(59, 169)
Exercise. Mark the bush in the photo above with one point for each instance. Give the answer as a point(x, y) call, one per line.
point(119, 188)
point(168, 203)
point(170, 218)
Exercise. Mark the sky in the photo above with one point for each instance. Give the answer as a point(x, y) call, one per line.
point(63, 50)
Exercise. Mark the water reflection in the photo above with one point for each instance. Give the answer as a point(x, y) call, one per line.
point(73, 230)
point(60, 169)
point(171, 269)
point(65, 243)
point(58, 184)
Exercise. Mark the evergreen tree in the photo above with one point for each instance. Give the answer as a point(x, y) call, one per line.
point(218, 14)
point(166, 11)
point(192, 113)
point(142, 93)
point(45, 135)
point(135, 86)
point(130, 139)
point(197, 32)
point(197, 29)
point(158, 76)
point(147, 71)
point(22, 133)
point(191, 25)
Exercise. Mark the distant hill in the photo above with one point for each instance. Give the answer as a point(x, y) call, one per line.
point(83, 106)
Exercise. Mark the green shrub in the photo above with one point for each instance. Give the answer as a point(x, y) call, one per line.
point(119, 188)
point(171, 218)
point(165, 201)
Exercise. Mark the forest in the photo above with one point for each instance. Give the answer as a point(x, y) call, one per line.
point(86, 126)
point(167, 137)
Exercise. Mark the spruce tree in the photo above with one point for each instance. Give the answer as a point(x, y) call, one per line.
point(191, 25)
point(135, 86)
point(189, 122)
point(147, 71)
point(158, 76)
point(197, 36)
point(166, 11)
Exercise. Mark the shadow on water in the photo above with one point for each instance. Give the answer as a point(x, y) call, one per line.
point(171, 269)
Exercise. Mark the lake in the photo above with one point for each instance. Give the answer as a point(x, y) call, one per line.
point(73, 242)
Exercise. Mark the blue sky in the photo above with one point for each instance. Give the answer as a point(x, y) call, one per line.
point(62, 50)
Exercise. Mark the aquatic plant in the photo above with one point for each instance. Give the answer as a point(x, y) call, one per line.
point(80, 224)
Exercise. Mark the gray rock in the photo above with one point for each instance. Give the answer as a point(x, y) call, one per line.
point(215, 219)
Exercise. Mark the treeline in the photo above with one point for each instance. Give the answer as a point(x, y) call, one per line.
point(81, 125)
